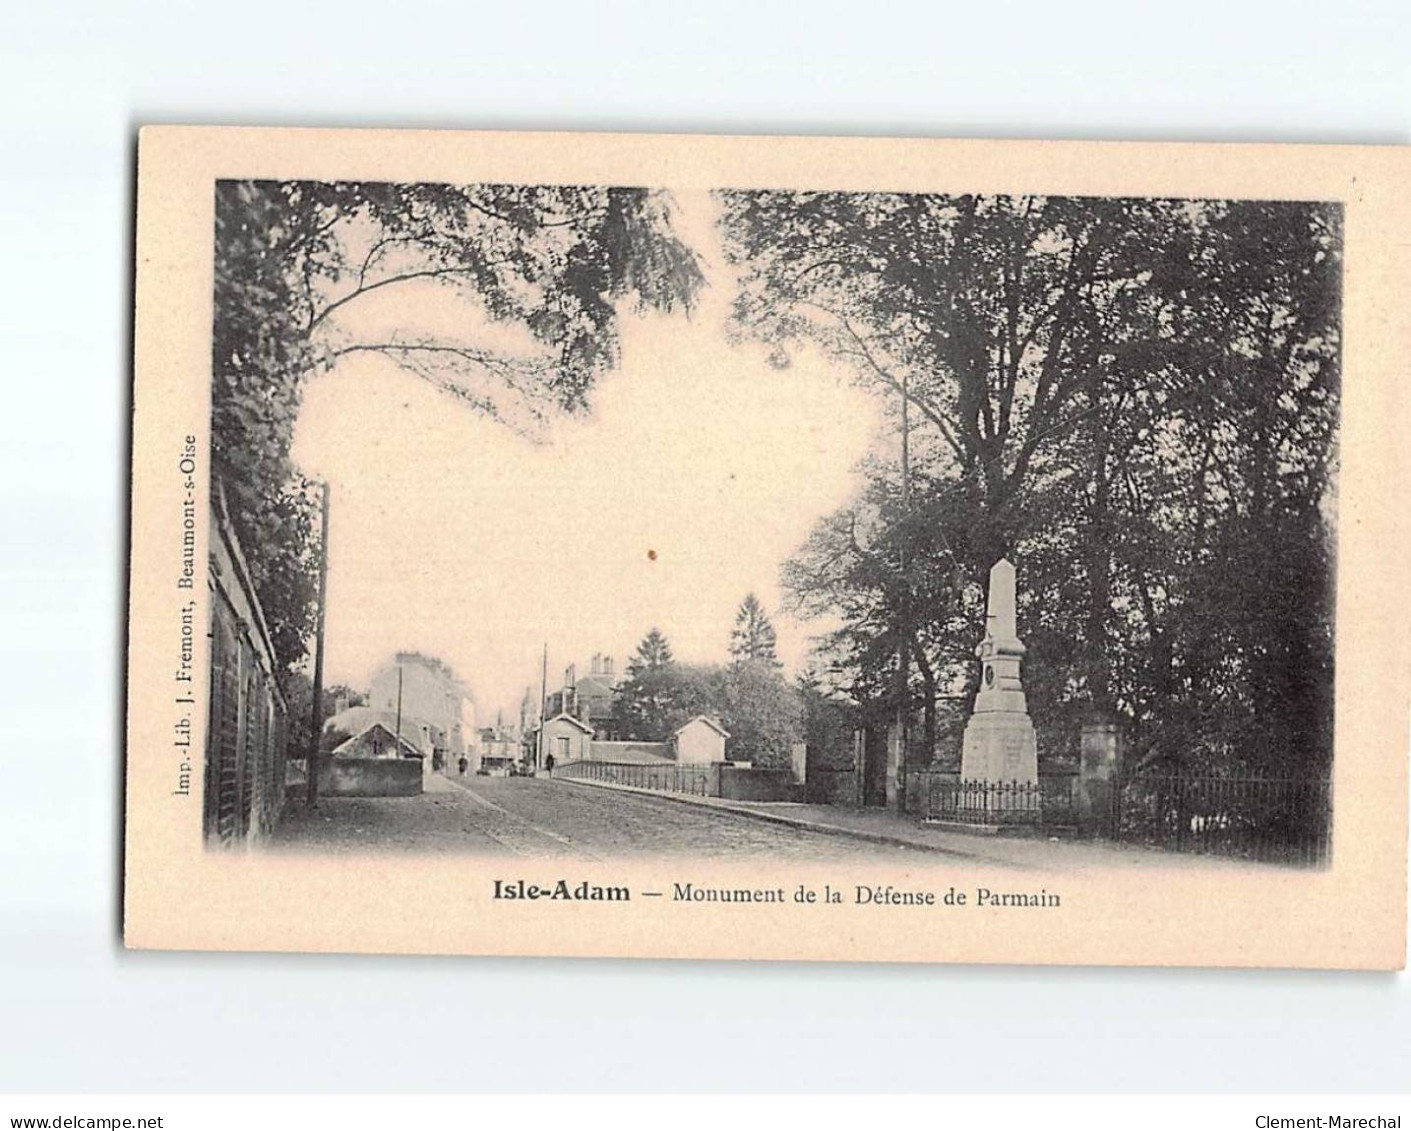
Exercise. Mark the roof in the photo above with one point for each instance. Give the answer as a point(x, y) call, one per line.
point(356, 720)
point(715, 726)
point(584, 727)
point(595, 686)
point(403, 742)
point(636, 753)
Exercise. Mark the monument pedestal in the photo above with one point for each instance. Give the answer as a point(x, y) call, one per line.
point(1000, 747)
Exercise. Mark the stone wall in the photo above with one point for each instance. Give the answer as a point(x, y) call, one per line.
point(370, 777)
point(738, 783)
point(832, 787)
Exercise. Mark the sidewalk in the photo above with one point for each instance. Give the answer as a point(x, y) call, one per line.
point(884, 827)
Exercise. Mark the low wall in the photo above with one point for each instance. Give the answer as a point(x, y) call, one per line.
point(832, 787)
point(370, 777)
point(736, 783)
point(719, 779)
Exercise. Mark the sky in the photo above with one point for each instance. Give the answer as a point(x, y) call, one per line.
point(697, 471)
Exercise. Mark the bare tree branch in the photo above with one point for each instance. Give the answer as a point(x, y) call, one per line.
point(362, 289)
point(891, 380)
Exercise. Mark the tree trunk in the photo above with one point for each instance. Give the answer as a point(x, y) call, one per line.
point(928, 698)
point(1099, 666)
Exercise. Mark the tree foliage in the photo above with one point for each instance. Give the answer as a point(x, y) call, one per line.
point(299, 699)
point(763, 714)
point(753, 637)
point(649, 698)
point(294, 259)
point(1134, 399)
point(749, 696)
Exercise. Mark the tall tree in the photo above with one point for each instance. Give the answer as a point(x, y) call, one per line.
point(294, 261)
point(696, 689)
point(974, 310)
point(763, 714)
point(648, 698)
point(862, 567)
point(1136, 399)
point(753, 636)
point(976, 317)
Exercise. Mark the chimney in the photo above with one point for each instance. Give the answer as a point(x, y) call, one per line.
point(607, 667)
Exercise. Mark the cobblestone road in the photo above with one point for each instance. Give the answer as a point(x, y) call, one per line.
point(543, 818)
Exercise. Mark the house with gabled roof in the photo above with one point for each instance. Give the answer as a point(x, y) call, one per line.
point(376, 740)
point(424, 736)
point(567, 739)
point(700, 741)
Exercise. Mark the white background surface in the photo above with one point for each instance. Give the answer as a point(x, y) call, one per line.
point(79, 1014)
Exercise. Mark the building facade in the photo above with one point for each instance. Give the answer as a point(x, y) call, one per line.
point(244, 771)
point(435, 707)
point(590, 698)
point(700, 742)
point(566, 739)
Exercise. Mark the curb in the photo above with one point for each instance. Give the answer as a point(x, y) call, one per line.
point(784, 819)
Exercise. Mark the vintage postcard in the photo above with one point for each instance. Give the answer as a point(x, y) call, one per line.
point(769, 548)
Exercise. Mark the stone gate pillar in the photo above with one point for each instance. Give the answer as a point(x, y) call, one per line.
point(798, 762)
point(859, 766)
point(1099, 766)
point(896, 754)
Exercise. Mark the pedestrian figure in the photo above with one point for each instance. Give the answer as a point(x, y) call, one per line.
point(462, 764)
point(549, 764)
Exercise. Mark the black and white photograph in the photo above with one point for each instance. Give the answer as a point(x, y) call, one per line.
point(893, 562)
point(724, 565)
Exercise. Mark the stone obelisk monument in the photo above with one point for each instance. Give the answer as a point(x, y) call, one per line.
point(999, 738)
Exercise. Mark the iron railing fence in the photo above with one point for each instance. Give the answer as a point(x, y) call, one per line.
point(1048, 802)
point(660, 777)
point(1256, 818)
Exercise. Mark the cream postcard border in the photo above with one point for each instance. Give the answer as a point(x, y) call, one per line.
point(1353, 915)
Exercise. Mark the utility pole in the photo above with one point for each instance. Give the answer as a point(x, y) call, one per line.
point(399, 710)
point(316, 722)
point(904, 636)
